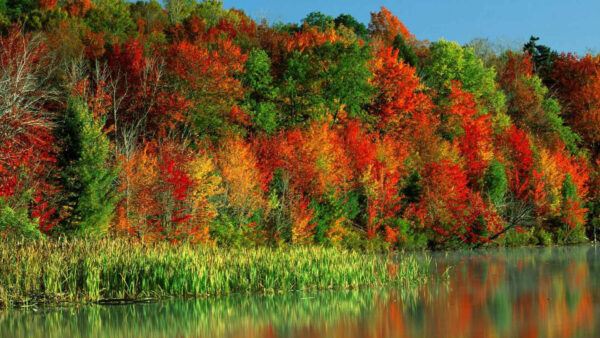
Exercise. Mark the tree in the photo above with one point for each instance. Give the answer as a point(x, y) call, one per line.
point(489, 52)
point(412, 189)
point(319, 20)
point(88, 176)
point(326, 80)
point(27, 147)
point(259, 100)
point(78, 8)
point(143, 102)
point(475, 131)
point(302, 223)
point(557, 164)
point(452, 212)
point(238, 166)
point(149, 16)
point(398, 95)
point(573, 214)
point(211, 11)
point(210, 79)
point(405, 51)
point(179, 10)
point(349, 21)
point(169, 194)
point(542, 56)
point(25, 70)
point(385, 27)
point(528, 102)
point(450, 62)
point(578, 89)
point(520, 174)
point(111, 17)
point(17, 223)
point(205, 190)
point(313, 158)
point(378, 167)
point(495, 182)
point(309, 37)
point(15, 9)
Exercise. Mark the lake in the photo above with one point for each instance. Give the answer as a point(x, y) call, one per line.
point(552, 291)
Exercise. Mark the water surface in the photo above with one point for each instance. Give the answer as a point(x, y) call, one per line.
point(530, 292)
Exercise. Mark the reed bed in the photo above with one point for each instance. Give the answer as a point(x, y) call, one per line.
point(55, 271)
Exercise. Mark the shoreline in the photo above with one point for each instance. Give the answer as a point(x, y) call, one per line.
point(56, 273)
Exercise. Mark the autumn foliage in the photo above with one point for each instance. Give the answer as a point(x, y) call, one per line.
point(227, 132)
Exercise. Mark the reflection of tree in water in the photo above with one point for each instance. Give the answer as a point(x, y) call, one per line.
point(532, 291)
point(505, 292)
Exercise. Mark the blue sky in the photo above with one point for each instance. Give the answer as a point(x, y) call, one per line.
point(566, 25)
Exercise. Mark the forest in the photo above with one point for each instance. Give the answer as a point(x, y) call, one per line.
point(192, 124)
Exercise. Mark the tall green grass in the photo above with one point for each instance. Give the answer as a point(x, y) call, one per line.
point(94, 270)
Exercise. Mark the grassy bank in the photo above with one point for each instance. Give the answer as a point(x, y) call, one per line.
point(92, 270)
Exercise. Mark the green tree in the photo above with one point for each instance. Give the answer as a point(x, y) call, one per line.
point(88, 179)
point(259, 101)
point(495, 182)
point(112, 17)
point(572, 214)
point(347, 20)
point(179, 10)
point(413, 189)
point(531, 107)
point(14, 9)
point(451, 62)
point(286, 28)
point(325, 79)
point(211, 11)
point(152, 13)
point(16, 221)
point(556, 123)
point(542, 57)
point(319, 20)
point(569, 189)
point(405, 51)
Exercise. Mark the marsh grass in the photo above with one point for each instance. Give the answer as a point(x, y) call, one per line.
point(55, 271)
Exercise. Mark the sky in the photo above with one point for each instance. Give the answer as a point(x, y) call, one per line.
point(565, 25)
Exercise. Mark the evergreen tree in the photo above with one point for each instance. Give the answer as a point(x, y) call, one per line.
point(542, 57)
point(569, 190)
point(413, 189)
point(87, 176)
point(405, 51)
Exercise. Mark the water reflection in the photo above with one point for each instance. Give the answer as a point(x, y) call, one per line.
point(518, 292)
point(493, 293)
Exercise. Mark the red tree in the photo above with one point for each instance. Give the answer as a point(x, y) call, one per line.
point(398, 88)
point(578, 87)
point(26, 142)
